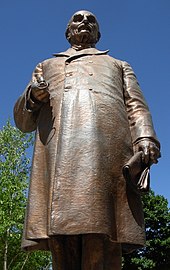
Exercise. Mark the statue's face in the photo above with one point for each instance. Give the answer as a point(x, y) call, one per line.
point(83, 28)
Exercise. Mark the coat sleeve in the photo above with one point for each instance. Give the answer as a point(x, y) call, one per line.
point(140, 120)
point(26, 110)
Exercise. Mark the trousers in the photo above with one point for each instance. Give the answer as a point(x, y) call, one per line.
point(85, 252)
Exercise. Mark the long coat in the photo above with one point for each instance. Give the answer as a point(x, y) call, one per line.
point(84, 136)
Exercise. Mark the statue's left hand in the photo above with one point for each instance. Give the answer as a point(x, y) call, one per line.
point(151, 151)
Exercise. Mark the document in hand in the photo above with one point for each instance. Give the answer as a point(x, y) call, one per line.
point(137, 174)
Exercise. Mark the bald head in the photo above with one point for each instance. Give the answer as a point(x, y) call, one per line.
point(83, 29)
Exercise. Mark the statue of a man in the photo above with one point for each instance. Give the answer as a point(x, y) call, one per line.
point(90, 118)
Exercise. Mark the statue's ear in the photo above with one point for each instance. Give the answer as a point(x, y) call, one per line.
point(99, 36)
point(67, 33)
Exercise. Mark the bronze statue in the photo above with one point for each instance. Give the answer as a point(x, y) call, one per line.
point(90, 118)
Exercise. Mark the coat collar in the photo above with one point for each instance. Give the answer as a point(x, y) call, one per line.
point(73, 53)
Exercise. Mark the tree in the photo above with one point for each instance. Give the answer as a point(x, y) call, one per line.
point(14, 172)
point(156, 254)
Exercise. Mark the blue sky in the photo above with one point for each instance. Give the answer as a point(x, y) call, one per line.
point(133, 30)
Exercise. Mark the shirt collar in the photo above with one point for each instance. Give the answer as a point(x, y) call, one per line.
point(72, 52)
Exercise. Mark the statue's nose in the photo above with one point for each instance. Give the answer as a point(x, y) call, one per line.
point(85, 19)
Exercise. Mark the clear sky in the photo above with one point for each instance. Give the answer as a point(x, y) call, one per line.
point(133, 30)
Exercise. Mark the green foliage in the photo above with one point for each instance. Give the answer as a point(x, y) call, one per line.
point(156, 254)
point(14, 172)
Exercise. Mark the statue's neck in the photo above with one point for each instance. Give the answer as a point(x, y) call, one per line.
point(82, 46)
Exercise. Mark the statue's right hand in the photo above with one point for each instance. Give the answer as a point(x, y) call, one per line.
point(39, 92)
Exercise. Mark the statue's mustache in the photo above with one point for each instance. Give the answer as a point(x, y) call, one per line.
point(84, 27)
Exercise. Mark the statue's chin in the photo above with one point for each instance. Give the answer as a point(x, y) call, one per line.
point(84, 37)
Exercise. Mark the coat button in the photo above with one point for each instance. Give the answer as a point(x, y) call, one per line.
point(69, 73)
point(66, 88)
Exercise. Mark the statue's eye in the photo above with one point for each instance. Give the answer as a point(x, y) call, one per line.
point(78, 18)
point(91, 19)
